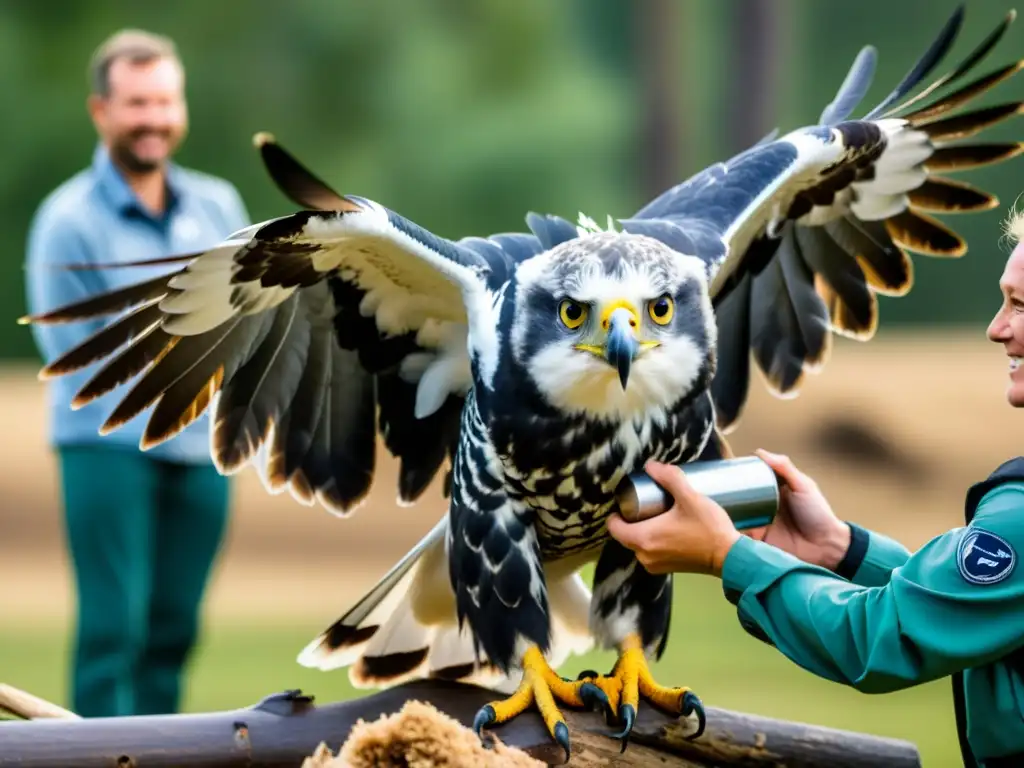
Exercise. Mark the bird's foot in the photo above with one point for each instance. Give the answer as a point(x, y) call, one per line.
point(541, 686)
point(631, 678)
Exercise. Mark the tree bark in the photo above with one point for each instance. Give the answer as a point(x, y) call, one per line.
point(661, 84)
point(284, 729)
point(756, 42)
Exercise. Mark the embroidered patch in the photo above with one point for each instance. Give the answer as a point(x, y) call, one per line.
point(984, 558)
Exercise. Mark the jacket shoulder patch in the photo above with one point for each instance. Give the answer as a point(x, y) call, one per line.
point(984, 558)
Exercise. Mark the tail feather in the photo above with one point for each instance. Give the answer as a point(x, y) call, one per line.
point(406, 627)
point(344, 641)
point(396, 652)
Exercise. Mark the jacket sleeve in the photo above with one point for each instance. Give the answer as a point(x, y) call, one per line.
point(54, 243)
point(957, 602)
point(871, 558)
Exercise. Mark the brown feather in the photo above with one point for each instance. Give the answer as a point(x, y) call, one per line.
point(844, 320)
point(961, 158)
point(102, 304)
point(147, 348)
point(302, 489)
point(339, 635)
point(390, 667)
point(121, 416)
point(969, 62)
point(964, 94)
point(886, 267)
point(104, 341)
point(169, 418)
point(97, 266)
point(296, 181)
point(947, 196)
point(851, 302)
point(919, 232)
point(171, 367)
point(967, 125)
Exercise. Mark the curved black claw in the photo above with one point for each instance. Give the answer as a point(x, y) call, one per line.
point(562, 737)
point(587, 673)
point(484, 716)
point(691, 704)
point(592, 697)
point(628, 714)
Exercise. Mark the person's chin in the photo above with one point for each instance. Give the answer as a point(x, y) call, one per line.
point(138, 163)
point(153, 157)
point(1015, 393)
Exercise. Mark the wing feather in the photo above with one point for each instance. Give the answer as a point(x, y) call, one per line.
point(105, 341)
point(808, 228)
point(295, 180)
point(295, 332)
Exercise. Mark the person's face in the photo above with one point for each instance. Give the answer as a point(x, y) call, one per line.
point(1007, 327)
point(144, 118)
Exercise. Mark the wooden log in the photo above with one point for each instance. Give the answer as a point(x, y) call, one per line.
point(22, 704)
point(283, 729)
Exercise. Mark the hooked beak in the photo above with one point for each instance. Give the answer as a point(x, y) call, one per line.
point(621, 345)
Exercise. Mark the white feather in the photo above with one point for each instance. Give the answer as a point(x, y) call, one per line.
point(419, 613)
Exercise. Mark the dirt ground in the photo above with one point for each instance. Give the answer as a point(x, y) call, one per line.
point(894, 430)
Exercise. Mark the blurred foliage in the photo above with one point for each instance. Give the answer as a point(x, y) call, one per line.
point(465, 114)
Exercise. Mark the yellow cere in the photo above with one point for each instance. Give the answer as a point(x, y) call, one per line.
point(619, 304)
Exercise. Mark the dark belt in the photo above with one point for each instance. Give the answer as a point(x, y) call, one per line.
point(1016, 760)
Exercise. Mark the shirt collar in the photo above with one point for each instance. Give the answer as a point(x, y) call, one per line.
point(120, 193)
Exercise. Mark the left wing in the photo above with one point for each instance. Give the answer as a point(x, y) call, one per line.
point(307, 335)
point(800, 233)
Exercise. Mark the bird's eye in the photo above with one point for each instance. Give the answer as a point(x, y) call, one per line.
point(572, 313)
point(661, 310)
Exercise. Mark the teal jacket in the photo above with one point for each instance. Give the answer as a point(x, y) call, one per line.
point(901, 619)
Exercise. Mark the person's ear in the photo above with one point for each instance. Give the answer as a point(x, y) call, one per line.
point(97, 107)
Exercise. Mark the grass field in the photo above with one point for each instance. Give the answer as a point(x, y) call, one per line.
point(890, 452)
point(240, 662)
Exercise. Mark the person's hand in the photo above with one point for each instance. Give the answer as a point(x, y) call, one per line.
point(805, 525)
point(693, 536)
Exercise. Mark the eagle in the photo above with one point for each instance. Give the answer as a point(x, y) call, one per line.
point(539, 368)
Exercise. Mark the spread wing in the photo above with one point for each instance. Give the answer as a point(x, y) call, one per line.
point(801, 233)
point(306, 335)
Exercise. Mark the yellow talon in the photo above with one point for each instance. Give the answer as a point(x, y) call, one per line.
point(630, 679)
point(619, 692)
point(540, 686)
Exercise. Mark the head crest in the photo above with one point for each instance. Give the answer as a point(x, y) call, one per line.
point(587, 226)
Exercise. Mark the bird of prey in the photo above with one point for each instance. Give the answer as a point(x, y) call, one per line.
point(540, 368)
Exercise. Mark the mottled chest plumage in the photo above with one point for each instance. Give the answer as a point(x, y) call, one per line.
point(567, 474)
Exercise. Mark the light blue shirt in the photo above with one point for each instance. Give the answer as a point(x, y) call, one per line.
point(96, 217)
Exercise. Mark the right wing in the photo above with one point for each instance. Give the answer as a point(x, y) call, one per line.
point(800, 233)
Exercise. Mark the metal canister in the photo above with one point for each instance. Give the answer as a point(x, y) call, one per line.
point(746, 487)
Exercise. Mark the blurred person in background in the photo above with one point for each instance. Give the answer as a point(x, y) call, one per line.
point(143, 528)
point(854, 606)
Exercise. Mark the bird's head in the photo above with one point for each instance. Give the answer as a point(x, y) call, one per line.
point(611, 324)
